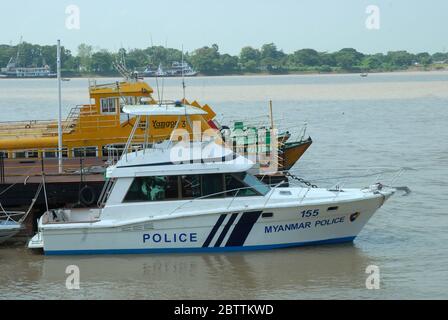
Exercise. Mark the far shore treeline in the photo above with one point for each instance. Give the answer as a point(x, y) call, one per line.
point(209, 61)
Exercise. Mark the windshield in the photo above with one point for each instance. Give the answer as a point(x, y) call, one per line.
point(256, 184)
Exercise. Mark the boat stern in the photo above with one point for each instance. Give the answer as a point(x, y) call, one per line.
point(36, 242)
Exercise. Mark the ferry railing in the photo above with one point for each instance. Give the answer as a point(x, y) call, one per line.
point(29, 128)
point(17, 169)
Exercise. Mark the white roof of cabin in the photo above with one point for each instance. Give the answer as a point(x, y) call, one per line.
point(162, 110)
point(180, 159)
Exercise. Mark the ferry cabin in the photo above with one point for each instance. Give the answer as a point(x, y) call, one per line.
point(91, 129)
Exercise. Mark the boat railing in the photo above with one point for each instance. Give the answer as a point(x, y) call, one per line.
point(105, 192)
point(236, 194)
point(10, 216)
point(50, 127)
point(348, 178)
point(93, 85)
point(43, 128)
point(23, 170)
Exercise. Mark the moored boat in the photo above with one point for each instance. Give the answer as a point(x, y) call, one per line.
point(9, 226)
point(198, 196)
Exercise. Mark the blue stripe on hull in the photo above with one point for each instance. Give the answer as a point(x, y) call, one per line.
point(199, 250)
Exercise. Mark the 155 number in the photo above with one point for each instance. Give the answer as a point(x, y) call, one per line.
point(310, 213)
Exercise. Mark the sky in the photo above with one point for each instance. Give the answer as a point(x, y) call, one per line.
point(324, 25)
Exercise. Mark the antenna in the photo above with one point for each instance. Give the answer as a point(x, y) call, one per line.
point(163, 73)
point(183, 74)
point(18, 51)
point(157, 84)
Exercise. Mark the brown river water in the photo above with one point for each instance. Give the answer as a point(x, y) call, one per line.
point(364, 130)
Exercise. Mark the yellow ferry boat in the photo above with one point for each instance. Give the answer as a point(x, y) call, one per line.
point(90, 129)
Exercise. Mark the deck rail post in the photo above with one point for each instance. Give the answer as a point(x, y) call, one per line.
point(2, 168)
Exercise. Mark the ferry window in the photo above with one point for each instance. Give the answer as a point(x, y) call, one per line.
point(54, 154)
point(78, 152)
point(91, 152)
point(237, 187)
point(20, 155)
point(115, 150)
point(212, 185)
point(105, 151)
point(153, 189)
point(191, 186)
point(85, 152)
point(3, 154)
point(50, 154)
point(108, 105)
point(32, 154)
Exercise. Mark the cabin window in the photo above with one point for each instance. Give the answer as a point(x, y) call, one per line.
point(4, 154)
point(85, 152)
point(209, 185)
point(253, 182)
point(153, 189)
point(237, 188)
point(108, 105)
point(213, 185)
point(244, 185)
point(267, 215)
point(191, 186)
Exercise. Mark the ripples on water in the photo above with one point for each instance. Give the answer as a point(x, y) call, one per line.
point(359, 125)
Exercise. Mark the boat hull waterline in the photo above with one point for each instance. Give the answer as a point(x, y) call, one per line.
point(238, 230)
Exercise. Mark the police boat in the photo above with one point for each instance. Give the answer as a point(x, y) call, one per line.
point(199, 196)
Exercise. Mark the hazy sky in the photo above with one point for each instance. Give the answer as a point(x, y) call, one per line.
point(325, 25)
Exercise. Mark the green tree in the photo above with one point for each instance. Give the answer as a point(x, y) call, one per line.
point(272, 60)
point(228, 64)
point(102, 62)
point(372, 62)
point(249, 59)
point(305, 57)
point(400, 59)
point(85, 53)
point(348, 58)
point(440, 57)
point(423, 58)
point(206, 60)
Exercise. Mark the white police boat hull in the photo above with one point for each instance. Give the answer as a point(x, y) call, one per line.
point(277, 225)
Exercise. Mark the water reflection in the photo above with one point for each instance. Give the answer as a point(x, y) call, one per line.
point(278, 274)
